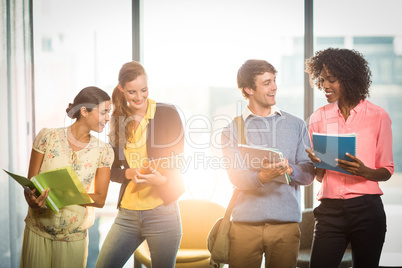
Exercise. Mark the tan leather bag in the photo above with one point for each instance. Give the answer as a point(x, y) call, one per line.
point(218, 240)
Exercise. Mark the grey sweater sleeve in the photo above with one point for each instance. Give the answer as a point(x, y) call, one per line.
point(303, 168)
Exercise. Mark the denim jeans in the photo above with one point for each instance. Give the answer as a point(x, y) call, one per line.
point(161, 227)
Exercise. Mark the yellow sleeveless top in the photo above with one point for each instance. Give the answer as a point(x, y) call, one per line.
point(144, 197)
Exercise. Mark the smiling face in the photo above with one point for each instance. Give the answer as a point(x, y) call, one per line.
point(136, 93)
point(330, 85)
point(263, 97)
point(99, 116)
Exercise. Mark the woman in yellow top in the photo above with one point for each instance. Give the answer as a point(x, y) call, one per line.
point(142, 129)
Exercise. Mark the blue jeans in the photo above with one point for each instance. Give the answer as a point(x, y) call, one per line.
point(161, 227)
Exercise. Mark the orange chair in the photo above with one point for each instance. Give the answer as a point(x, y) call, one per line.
point(197, 217)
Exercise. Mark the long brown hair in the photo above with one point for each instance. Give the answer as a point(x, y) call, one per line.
point(122, 123)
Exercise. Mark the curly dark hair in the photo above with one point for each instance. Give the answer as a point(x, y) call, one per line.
point(348, 66)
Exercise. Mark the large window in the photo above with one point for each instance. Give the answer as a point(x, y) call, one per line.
point(79, 44)
point(192, 51)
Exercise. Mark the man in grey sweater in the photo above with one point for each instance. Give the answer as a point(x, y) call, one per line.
point(266, 212)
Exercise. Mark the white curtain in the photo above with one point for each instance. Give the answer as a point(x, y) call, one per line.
point(16, 121)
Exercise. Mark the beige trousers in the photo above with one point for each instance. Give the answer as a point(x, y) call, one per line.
point(279, 242)
point(40, 252)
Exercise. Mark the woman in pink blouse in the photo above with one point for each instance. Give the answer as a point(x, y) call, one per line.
point(351, 210)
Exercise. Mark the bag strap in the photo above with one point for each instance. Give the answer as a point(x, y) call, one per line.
point(240, 129)
point(229, 208)
point(242, 140)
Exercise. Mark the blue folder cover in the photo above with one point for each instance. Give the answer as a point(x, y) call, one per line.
point(329, 147)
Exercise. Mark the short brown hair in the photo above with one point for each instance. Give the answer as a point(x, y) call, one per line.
point(249, 70)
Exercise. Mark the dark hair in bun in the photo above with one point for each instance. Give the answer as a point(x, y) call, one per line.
point(89, 98)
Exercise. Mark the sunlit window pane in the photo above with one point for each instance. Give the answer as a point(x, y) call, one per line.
point(77, 44)
point(192, 51)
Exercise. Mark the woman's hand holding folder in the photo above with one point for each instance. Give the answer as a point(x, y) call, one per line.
point(36, 201)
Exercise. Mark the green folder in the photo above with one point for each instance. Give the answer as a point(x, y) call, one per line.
point(65, 187)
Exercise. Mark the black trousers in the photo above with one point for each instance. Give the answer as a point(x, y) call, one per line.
point(360, 221)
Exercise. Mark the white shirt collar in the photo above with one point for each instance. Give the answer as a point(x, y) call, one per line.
point(246, 112)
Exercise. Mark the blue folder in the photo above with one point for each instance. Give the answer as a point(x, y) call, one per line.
point(329, 147)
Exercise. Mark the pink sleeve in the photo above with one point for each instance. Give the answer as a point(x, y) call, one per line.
point(315, 120)
point(384, 156)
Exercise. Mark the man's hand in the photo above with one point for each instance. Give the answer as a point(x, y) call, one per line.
point(270, 171)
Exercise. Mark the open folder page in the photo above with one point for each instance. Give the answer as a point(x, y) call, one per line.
point(65, 187)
